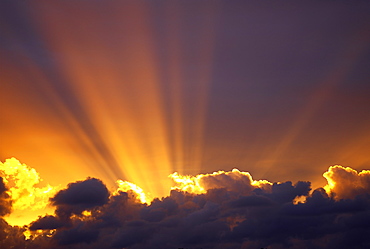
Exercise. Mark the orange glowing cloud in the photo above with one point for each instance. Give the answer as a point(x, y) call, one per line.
point(24, 190)
point(345, 182)
point(125, 186)
point(234, 180)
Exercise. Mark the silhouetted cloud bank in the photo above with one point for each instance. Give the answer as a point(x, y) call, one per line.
point(219, 210)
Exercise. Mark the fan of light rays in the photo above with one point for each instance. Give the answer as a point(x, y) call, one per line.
point(117, 108)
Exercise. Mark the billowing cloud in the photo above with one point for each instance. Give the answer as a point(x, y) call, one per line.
point(24, 190)
point(236, 181)
point(125, 186)
point(217, 210)
point(80, 196)
point(23, 181)
point(47, 222)
point(346, 182)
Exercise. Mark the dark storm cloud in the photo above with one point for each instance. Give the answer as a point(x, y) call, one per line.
point(80, 196)
point(253, 200)
point(286, 192)
point(46, 222)
point(219, 218)
point(309, 222)
point(79, 233)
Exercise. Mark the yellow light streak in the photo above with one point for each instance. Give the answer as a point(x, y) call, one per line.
point(107, 111)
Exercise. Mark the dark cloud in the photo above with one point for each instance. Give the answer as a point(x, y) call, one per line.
point(47, 222)
point(80, 196)
point(286, 192)
point(5, 202)
point(222, 217)
point(254, 200)
point(11, 237)
point(2, 186)
point(81, 232)
point(133, 234)
point(219, 218)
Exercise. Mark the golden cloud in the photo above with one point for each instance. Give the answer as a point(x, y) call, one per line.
point(345, 182)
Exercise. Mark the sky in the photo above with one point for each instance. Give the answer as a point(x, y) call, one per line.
point(138, 90)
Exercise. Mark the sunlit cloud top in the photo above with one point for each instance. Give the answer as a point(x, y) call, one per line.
point(232, 181)
point(25, 191)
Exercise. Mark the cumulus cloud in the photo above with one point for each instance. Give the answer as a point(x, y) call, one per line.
point(25, 191)
point(47, 222)
point(22, 182)
point(217, 210)
point(235, 181)
point(346, 182)
point(80, 196)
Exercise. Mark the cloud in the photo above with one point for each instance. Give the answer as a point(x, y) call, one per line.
point(80, 196)
point(125, 186)
point(235, 181)
point(10, 237)
point(47, 222)
point(217, 210)
point(5, 202)
point(79, 233)
point(22, 181)
point(24, 192)
point(346, 182)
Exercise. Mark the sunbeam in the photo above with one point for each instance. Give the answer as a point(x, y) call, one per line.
point(139, 124)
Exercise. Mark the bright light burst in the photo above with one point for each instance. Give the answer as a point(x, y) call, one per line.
point(112, 114)
point(26, 194)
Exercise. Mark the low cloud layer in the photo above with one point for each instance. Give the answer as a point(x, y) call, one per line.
point(218, 210)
